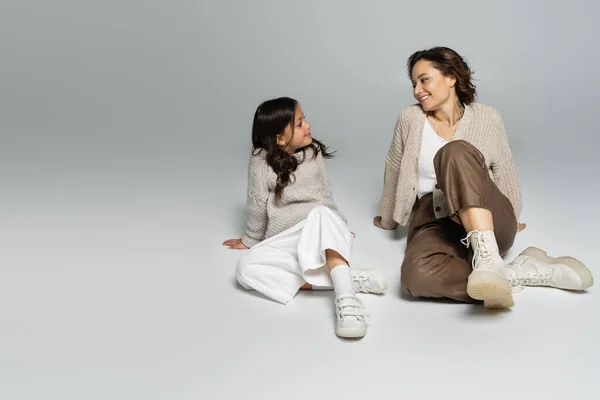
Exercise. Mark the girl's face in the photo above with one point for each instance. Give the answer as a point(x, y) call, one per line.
point(431, 88)
point(297, 136)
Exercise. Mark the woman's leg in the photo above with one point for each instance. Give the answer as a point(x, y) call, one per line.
point(472, 198)
point(474, 201)
point(435, 264)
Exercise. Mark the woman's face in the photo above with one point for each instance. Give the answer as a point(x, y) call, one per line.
point(431, 88)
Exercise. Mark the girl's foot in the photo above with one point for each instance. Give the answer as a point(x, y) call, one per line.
point(368, 281)
point(350, 317)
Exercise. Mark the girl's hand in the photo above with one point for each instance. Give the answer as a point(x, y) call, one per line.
point(520, 227)
point(235, 244)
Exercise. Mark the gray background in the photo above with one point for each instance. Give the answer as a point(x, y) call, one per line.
point(125, 135)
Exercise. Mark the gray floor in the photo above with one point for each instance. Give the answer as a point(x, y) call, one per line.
point(125, 139)
point(132, 296)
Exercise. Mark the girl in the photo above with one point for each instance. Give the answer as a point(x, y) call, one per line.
point(297, 237)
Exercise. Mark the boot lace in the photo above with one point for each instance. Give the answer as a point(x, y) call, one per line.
point(482, 256)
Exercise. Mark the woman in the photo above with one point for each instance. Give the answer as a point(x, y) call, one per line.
point(450, 174)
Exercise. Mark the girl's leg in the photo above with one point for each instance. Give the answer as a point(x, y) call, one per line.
point(272, 267)
point(324, 252)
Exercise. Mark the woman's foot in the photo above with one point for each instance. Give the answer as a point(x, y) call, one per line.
point(489, 279)
point(533, 267)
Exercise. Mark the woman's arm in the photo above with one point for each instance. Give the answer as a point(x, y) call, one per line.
point(391, 174)
point(503, 169)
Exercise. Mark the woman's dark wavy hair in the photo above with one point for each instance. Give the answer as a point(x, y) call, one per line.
point(449, 63)
point(270, 119)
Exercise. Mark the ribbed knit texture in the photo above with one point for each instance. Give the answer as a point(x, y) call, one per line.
point(264, 216)
point(481, 125)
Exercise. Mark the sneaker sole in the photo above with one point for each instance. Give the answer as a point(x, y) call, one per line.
point(587, 280)
point(494, 290)
point(351, 333)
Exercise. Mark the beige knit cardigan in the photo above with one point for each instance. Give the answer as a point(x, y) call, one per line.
point(481, 125)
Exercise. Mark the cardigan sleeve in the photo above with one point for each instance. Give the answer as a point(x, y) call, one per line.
point(256, 202)
point(391, 174)
point(503, 168)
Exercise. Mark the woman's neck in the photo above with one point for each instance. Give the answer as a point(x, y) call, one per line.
point(449, 114)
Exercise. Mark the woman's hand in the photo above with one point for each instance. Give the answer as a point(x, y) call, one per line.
point(520, 227)
point(235, 244)
point(377, 223)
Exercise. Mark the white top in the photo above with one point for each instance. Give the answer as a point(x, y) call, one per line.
point(431, 143)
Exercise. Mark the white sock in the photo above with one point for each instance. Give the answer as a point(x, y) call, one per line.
point(342, 281)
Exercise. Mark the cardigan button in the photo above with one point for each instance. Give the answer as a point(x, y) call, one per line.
point(438, 209)
point(437, 186)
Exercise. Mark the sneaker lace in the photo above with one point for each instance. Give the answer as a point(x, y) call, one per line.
point(482, 254)
point(350, 305)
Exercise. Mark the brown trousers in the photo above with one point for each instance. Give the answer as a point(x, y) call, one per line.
point(436, 263)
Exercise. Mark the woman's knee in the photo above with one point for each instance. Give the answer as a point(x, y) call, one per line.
point(457, 149)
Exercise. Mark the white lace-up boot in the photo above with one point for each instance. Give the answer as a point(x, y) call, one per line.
point(533, 267)
point(489, 279)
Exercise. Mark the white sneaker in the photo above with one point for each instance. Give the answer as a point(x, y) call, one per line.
point(350, 317)
point(489, 279)
point(533, 267)
point(368, 281)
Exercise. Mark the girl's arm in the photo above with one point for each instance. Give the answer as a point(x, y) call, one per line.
point(256, 202)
